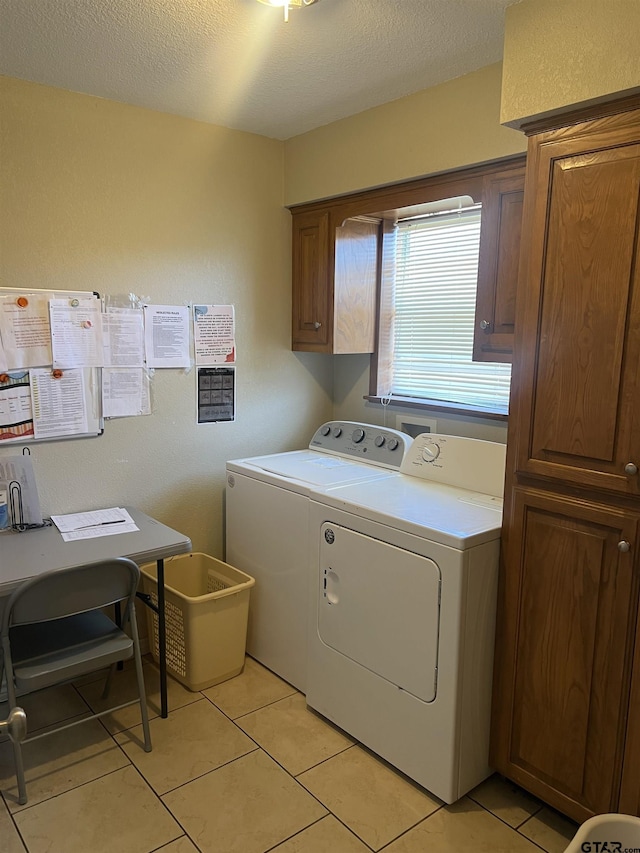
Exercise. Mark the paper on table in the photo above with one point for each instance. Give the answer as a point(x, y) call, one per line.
point(105, 530)
point(93, 518)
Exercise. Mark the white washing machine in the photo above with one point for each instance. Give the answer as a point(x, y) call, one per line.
point(267, 511)
point(402, 611)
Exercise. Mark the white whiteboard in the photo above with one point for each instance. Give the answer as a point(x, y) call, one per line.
point(23, 383)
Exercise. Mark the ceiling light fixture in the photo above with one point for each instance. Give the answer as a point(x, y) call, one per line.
point(288, 4)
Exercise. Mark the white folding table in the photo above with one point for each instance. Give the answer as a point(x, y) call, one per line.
point(31, 552)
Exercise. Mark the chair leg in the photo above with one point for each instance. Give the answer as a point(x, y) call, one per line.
point(107, 684)
point(140, 677)
point(19, 765)
point(17, 747)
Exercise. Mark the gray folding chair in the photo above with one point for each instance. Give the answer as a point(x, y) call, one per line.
point(54, 630)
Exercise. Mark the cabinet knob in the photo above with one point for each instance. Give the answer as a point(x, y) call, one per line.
point(624, 547)
point(630, 468)
point(317, 325)
point(485, 325)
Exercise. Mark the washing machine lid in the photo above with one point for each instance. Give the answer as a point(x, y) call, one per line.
point(451, 516)
point(306, 470)
point(339, 452)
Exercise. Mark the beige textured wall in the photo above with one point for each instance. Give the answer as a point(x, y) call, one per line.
point(561, 53)
point(445, 127)
point(102, 196)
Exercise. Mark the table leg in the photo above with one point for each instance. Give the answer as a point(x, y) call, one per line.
point(162, 641)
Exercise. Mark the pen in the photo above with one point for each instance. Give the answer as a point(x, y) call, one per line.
point(101, 524)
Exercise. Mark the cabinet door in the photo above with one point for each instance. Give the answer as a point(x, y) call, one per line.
point(311, 294)
point(568, 601)
point(355, 286)
point(500, 230)
point(576, 389)
point(630, 790)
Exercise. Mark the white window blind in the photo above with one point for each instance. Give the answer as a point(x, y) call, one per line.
point(434, 315)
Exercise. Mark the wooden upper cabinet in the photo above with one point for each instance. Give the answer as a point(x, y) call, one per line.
point(563, 644)
point(500, 232)
point(338, 257)
point(355, 285)
point(576, 377)
point(334, 283)
point(312, 314)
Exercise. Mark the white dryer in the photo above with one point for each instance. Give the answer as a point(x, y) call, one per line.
point(267, 511)
point(402, 610)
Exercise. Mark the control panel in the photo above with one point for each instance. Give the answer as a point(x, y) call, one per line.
point(373, 444)
point(468, 463)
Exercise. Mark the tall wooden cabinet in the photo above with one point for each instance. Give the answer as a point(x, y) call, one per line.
point(566, 721)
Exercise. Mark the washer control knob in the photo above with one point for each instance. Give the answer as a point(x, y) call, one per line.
point(393, 443)
point(336, 432)
point(325, 430)
point(379, 441)
point(357, 435)
point(430, 451)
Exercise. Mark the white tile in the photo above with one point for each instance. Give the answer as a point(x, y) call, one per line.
point(117, 812)
point(190, 742)
point(293, 734)
point(247, 806)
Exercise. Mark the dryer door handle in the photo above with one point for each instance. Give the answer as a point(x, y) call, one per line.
point(331, 586)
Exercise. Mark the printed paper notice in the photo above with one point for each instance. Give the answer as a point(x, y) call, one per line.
point(125, 392)
point(123, 337)
point(25, 329)
point(4, 364)
point(76, 332)
point(58, 404)
point(216, 394)
point(166, 335)
point(214, 334)
point(16, 419)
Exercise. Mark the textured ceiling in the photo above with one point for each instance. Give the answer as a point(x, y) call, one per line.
point(236, 63)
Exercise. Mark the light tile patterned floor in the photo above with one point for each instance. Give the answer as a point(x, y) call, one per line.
point(244, 767)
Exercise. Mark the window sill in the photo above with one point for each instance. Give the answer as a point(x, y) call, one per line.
point(439, 406)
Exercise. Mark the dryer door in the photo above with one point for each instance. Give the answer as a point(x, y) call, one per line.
point(380, 606)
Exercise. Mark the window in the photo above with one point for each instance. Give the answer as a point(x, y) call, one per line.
point(430, 314)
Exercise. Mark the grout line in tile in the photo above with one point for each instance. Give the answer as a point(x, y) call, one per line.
point(319, 764)
point(13, 820)
point(515, 829)
point(167, 810)
point(409, 829)
point(255, 710)
point(28, 805)
point(201, 776)
point(295, 834)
